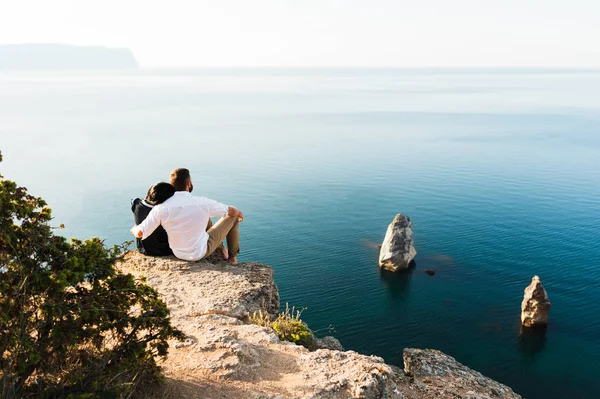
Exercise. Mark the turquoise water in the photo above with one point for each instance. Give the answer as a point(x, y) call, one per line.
point(498, 169)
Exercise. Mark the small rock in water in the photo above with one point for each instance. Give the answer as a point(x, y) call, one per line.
point(397, 251)
point(329, 342)
point(535, 305)
point(429, 272)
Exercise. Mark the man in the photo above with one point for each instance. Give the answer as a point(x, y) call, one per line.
point(185, 218)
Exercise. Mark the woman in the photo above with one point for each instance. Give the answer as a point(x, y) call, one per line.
point(157, 244)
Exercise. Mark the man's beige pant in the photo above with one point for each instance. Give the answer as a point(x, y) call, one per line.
point(227, 227)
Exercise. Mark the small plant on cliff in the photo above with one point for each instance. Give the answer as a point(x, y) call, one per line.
point(261, 319)
point(70, 324)
point(288, 325)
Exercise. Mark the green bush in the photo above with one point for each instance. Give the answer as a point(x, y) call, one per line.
point(288, 325)
point(70, 324)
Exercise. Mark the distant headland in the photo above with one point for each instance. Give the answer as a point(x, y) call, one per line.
point(62, 56)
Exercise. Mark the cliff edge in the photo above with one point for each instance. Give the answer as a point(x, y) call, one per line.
point(224, 356)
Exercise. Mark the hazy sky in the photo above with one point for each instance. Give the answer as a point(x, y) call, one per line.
point(319, 32)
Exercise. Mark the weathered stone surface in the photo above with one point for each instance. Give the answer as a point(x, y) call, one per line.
point(535, 305)
point(198, 288)
point(329, 342)
point(335, 374)
point(437, 372)
point(223, 356)
point(397, 250)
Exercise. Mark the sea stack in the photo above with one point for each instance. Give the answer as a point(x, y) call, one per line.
point(397, 250)
point(535, 306)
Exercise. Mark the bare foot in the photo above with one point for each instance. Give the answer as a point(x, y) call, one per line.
point(225, 253)
point(233, 260)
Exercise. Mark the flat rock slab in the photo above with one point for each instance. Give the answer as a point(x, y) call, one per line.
point(198, 288)
point(225, 349)
point(434, 371)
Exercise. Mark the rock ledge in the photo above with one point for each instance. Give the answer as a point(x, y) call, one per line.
point(226, 357)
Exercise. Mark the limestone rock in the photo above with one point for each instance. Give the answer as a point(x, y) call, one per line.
point(329, 342)
point(226, 357)
point(334, 374)
point(535, 305)
point(196, 288)
point(397, 250)
point(229, 352)
point(435, 371)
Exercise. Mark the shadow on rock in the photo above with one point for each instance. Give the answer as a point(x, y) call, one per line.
point(199, 389)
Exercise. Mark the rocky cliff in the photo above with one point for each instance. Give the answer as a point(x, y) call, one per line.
point(61, 56)
point(224, 356)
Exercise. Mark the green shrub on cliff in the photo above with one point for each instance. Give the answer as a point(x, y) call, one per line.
point(70, 324)
point(288, 325)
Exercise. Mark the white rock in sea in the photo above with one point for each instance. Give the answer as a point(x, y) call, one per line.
point(397, 250)
point(535, 305)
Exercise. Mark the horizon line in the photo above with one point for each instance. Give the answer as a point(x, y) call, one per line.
point(550, 67)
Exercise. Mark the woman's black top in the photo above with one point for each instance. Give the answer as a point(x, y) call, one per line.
point(157, 244)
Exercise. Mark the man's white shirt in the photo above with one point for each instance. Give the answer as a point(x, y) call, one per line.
point(184, 217)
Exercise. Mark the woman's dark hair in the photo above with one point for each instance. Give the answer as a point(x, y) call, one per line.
point(159, 193)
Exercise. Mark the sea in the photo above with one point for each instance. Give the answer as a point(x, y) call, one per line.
point(499, 170)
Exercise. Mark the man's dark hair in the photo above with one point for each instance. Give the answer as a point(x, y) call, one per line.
point(159, 193)
point(179, 179)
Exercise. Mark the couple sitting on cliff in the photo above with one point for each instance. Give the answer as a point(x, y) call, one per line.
point(170, 221)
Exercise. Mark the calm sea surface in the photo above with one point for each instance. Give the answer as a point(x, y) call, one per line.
point(498, 169)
